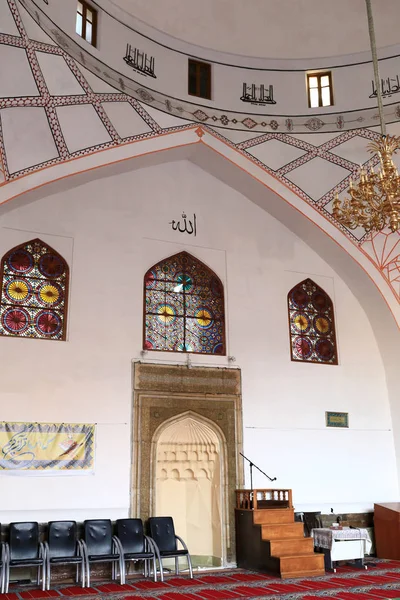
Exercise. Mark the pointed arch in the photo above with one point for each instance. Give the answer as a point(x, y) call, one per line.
point(34, 292)
point(184, 307)
point(311, 324)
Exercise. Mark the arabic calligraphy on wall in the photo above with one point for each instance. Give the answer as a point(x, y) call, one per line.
point(389, 86)
point(42, 447)
point(139, 61)
point(258, 94)
point(189, 227)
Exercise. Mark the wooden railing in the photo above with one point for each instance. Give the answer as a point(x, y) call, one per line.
point(260, 499)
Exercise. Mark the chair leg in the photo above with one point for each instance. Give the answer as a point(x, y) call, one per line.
point(7, 579)
point(87, 573)
point(190, 566)
point(176, 565)
point(48, 576)
point(154, 568)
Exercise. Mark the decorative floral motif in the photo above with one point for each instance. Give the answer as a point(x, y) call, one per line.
point(274, 125)
point(184, 307)
point(33, 276)
point(144, 95)
point(314, 124)
point(200, 115)
point(311, 319)
point(249, 123)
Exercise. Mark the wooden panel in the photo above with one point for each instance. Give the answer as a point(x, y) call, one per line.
point(387, 530)
point(273, 516)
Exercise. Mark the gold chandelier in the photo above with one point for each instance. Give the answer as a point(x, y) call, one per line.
point(374, 201)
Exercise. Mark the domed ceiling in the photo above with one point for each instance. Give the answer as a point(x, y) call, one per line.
point(272, 28)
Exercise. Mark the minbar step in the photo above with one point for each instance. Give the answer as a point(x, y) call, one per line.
point(273, 516)
point(282, 531)
point(292, 547)
point(300, 565)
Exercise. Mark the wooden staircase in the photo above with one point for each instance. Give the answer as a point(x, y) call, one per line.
point(268, 538)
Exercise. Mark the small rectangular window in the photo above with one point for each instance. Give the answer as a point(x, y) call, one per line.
point(199, 79)
point(86, 22)
point(319, 87)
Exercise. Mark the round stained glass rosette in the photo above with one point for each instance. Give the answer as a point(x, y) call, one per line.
point(184, 283)
point(324, 350)
point(319, 301)
point(299, 298)
point(218, 349)
point(17, 291)
point(48, 323)
point(15, 320)
point(301, 323)
point(20, 261)
point(165, 314)
point(204, 318)
point(150, 280)
point(302, 347)
point(51, 265)
point(322, 325)
point(49, 294)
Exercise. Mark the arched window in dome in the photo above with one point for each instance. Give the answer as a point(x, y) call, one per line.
point(34, 292)
point(312, 324)
point(184, 307)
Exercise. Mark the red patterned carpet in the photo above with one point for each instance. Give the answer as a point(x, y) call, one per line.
point(381, 581)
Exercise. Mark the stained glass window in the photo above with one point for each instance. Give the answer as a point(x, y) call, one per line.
point(184, 307)
point(312, 324)
point(34, 292)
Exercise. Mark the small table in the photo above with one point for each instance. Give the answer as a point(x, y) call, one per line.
point(342, 544)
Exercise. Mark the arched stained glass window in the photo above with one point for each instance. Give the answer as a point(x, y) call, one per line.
point(34, 292)
point(184, 307)
point(312, 324)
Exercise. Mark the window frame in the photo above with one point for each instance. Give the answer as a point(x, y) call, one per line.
point(313, 334)
point(198, 64)
point(223, 324)
point(319, 76)
point(85, 7)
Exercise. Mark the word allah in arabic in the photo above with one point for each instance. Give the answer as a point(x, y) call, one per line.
point(188, 226)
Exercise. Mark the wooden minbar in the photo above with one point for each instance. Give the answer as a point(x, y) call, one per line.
point(268, 538)
point(387, 530)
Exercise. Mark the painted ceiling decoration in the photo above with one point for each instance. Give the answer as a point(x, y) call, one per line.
point(111, 69)
point(48, 93)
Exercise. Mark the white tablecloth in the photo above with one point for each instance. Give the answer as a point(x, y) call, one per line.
point(325, 537)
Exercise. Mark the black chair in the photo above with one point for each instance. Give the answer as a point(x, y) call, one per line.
point(63, 548)
point(100, 545)
point(25, 550)
point(162, 532)
point(312, 520)
point(135, 546)
point(3, 564)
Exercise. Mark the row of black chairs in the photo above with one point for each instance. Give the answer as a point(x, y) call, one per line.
point(98, 545)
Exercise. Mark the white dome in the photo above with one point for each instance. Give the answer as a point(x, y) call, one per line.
point(271, 28)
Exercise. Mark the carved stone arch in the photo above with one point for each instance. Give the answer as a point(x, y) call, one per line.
point(312, 328)
point(191, 429)
point(34, 296)
point(191, 318)
point(164, 394)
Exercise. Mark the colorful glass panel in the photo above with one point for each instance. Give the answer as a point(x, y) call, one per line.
point(312, 324)
point(184, 307)
point(34, 292)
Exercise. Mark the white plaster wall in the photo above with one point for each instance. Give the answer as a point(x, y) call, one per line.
point(111, 231)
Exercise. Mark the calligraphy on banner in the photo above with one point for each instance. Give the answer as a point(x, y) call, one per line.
point(189, 227)
point(46, 447)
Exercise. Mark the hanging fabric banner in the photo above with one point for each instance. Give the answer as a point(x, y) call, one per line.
point(40, 448)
